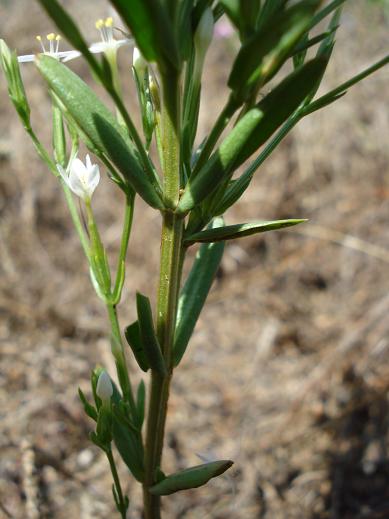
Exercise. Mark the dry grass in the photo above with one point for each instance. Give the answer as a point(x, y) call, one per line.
point(286, 373)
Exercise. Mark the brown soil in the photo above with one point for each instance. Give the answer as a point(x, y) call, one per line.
point(287, 373)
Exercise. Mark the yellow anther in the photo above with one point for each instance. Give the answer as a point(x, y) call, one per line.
point(99, 24)
point(39, 38)
point(109, 22)
point(51, 36)
point(58, 37)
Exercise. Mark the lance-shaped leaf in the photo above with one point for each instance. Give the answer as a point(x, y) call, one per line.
point(269, 9)
point(132, 334)
point(152, 29)
point(129, 444)
point(265, 52)
point(328, 9)
point(148, 336)
point(231, 232)
point(190, 478)
point(99, 125)
point(251, 132)
point(341, 90)
point(195, 291)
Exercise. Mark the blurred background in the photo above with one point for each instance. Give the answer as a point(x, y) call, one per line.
point(287, 373)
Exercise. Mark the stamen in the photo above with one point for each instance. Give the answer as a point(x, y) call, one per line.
point(99, 24)
point(109, 29)
point(57, 39)
point(39, 38)
point(51, 37)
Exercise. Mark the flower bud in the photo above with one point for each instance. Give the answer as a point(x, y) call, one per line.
point(104, 389)
point(204, 32)
point(10, 66)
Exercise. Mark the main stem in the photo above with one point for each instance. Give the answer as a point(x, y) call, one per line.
point(172, 251)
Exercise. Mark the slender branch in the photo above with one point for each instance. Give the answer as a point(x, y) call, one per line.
point(120, 358)
point(128, 218)
point(122, 503)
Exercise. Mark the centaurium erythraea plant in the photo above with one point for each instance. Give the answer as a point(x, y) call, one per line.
point(191, 186)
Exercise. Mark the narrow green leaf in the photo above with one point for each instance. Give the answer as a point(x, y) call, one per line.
point(132, 334)
point(99, 125)
point(323, 13)
point(184, 28)
point(195, 291)
point(266, 51)
point(193, 477)
point(337, 92)
point(141, 402)
point(234, 191)
point(269, 9)
point(152, 29)
point(89, 409)
point(308, 43)
point(148, 336)
point(231, 232)
point(251, 132)
point(129, 445)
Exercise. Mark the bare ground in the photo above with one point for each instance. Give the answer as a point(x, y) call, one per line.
point(287, 372)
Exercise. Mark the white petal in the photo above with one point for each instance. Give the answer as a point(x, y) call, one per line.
point(68, 55)
point(93, 179)
point(26, 58)
point(98, 47)
point(77, 178)
point(102, 46)
point(88, 161)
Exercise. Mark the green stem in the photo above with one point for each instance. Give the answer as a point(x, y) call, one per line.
point(170, 137)
point(170, 274)
point(76, 219)
point(168, 290)
point(122, 503)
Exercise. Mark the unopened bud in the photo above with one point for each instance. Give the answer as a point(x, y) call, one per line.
point(204, 32)
point(9, 64)
point(104, 389)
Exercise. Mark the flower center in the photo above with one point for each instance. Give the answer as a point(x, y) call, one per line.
point(53, 40)
point(105, 27)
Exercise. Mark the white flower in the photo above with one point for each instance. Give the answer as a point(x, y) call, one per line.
point(81, 178)
point(104, 389)
point(53, 50)
point(108, 43)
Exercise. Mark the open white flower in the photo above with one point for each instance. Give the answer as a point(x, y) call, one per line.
point(53, 50)
point(108, 42)
point(81, 178)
